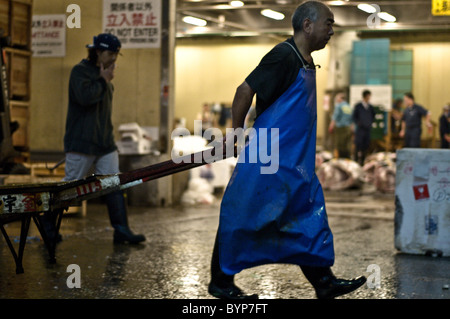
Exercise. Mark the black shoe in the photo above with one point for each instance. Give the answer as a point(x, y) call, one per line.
point(230, 292)
point(123, 235)
point(331, 287)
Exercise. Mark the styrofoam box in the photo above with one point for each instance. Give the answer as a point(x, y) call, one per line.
point(422, 201)
point(133, 147)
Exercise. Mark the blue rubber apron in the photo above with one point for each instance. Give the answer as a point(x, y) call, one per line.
point(280, 217)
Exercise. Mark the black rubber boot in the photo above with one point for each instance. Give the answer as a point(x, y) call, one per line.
point(327, 286)
point(48, 223)
point(222, 285)
point(118, 216)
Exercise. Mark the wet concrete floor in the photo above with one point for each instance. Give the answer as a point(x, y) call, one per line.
point(174, 262)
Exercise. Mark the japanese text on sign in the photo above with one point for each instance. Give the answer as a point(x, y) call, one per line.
point(89, 188)
point(49, 35)
point(440, 7)
point(24, 203)
point(136, 23)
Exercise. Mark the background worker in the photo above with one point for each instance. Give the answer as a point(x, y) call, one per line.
point(412, 121)
point(363, 117)
point(444, 127)
point(341, 126)
point(89, 140)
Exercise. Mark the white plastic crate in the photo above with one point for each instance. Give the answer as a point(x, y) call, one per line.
point(422, 201)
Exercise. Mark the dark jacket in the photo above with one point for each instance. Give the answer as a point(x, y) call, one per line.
point(444, 128)
point(362, 117)
point(89, 129)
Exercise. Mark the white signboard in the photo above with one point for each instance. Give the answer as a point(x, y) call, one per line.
point(137, 23)
point(381, 95)
point(48, 35)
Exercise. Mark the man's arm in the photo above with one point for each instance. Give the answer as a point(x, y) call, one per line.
point(402, 131)
point(241, 104)
point(428, 123)
point(444, 128)
point(355, 115)
point(332, 126)
point(443, 125)
point(333, 119)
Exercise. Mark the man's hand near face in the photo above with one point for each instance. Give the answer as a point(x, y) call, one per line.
point(107, 73)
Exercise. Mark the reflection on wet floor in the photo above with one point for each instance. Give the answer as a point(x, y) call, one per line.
point(174, 262)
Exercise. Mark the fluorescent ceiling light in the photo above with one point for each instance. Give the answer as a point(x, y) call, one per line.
point(336, 3)
point(272, 14)
point(200, 29)
point(195, 21)
point(244, 34)
point(223, 7)
point(387, 17)
point(236, 4)
point(367, 8)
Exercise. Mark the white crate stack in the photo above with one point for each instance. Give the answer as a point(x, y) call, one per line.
point(422, 193)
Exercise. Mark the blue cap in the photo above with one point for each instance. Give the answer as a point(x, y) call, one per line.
point(106, 41)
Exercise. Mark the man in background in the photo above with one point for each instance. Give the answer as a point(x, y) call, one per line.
point(89, 140)
point(363, 117)
point(341, 126)
point(444, 127)
point(412, 121)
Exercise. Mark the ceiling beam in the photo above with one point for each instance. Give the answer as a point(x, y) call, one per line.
point(219, 5)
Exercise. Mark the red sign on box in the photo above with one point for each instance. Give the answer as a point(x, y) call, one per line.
point(421, 191)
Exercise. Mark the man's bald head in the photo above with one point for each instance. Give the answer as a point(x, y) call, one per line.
point(308, 10)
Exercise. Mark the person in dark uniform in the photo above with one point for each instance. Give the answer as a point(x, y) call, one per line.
point(363, 117)
point(285, 88)
point(444, 127)
point(412, 121)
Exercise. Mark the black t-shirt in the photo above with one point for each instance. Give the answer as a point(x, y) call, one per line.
point(275, 73)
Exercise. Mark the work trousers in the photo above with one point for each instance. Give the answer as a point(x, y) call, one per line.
point(342, 140)
point(78, 165)
point(412, 137)
point(362, 144)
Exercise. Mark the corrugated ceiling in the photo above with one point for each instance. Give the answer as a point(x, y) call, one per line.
point(225, 20)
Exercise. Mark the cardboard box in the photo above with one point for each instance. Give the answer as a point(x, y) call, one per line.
point(18, 65)
point(20, 112)
point(422, 201)
point(4, 17)
point(20, 19)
